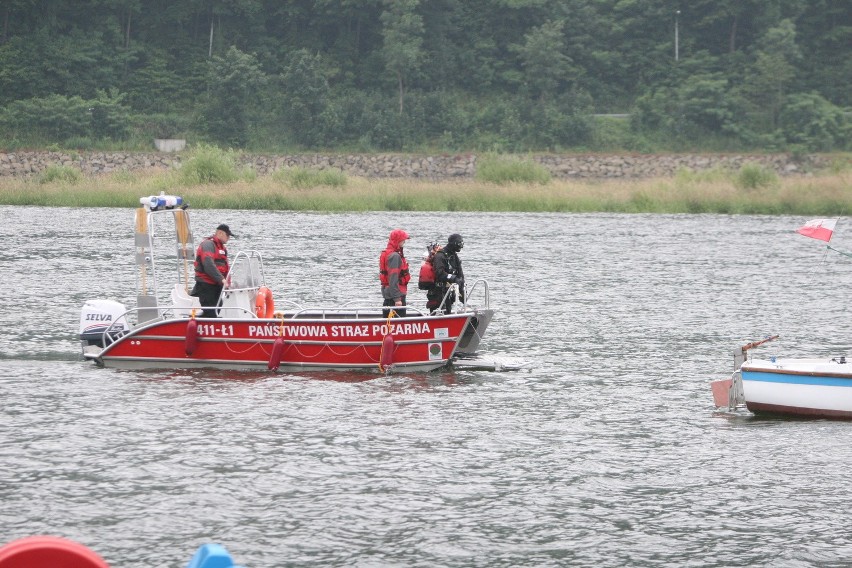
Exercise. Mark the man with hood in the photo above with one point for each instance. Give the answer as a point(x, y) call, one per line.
point(393, 272)
point(448, 271)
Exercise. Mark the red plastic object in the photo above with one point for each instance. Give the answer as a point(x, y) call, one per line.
point(48, 552)
point(720, 390)
point(275, 358)
point(191, 341)
point(388, 346)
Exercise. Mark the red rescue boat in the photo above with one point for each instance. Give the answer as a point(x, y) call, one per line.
point(165, 332)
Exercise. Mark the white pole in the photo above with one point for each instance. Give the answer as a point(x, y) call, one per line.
point(210, 49)
point(677, 55)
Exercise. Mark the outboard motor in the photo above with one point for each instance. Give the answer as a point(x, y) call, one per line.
point(96, 317)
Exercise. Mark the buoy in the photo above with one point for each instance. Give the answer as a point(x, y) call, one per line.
point(388, 345)
point(191, 341)
point(48, 552)
point(264, 305)
point(277, 351)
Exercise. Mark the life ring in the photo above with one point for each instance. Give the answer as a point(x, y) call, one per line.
point(264, 305)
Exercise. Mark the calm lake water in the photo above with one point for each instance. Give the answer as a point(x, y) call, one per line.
point(605, 450)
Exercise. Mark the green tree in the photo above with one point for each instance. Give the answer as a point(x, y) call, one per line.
point(52, 118)
point(234, 82)
point(155, 86)
point(812, 122)
point(695, 105)
point(489, 73)
point(402, 29)
point(110, 117)
point(772, 71)
point(545, 64)
point(704, 101)
point(825, 36)
point(305, 97)
point(726, 26)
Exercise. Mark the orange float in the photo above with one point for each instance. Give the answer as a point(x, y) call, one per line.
point(264, 305)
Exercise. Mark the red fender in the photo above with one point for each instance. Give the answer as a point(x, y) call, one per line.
point(388, 345)
point(191, 341)
point(277, 351)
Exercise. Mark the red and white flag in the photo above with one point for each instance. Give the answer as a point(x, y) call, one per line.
point(821, 229)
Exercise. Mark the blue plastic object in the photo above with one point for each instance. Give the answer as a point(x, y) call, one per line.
point(161, 201)
point(212, 556)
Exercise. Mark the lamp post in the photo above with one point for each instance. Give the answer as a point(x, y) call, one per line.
point(677, 16)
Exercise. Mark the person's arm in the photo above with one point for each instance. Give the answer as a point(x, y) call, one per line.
point(208, 249)
point(460, 280)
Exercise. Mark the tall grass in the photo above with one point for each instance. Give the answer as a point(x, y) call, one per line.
point(707, 192)
point(493, 168)
point(841, 164)
point(306, 178)
point(60, 174)
point(754, 176)
point(209, 164)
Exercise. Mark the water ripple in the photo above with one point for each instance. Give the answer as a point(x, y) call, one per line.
point(605, 451)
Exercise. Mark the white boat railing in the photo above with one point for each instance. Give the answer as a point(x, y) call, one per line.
point(122, 324)
point(474, 289)
point(354, 311)
point(469, 292)
point(246, 272)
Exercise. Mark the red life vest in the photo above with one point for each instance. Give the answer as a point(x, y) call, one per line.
point(426, 280)
point(219, 256)
point(404, 274)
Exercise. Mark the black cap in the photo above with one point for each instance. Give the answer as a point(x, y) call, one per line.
point(456, 239)
point(227, 230)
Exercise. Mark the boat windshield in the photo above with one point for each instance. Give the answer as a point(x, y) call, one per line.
point(246, 270)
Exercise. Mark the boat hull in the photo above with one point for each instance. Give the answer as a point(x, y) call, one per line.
point(419, 344)
point(798, 387)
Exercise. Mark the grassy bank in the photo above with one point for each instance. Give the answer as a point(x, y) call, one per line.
point(711, 192)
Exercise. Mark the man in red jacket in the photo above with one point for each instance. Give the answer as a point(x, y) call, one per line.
point(393, 272)
point(211, 268)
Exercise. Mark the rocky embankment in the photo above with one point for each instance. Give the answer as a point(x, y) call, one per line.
point(565, 166)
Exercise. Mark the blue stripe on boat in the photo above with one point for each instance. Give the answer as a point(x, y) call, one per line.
point(797, 379)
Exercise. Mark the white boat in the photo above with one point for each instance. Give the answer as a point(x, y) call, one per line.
point(819, 388)
point(800, 387)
